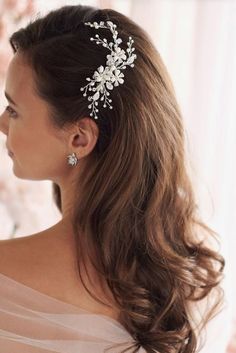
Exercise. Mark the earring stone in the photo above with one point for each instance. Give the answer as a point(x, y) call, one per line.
point(72, 159)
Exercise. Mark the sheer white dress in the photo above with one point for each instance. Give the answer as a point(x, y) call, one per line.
point(33, 322)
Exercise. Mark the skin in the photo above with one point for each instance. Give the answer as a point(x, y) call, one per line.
point(40, 153)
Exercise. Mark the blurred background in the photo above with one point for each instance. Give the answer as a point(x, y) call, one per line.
point(196, 39)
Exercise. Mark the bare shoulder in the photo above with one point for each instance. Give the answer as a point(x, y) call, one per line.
point(16, 255)
point(40, 262)
point(37, 249)
point(48, 264)
point(32, 254)
point(10, 249)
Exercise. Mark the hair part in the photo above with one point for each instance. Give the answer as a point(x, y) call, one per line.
point(137, 207)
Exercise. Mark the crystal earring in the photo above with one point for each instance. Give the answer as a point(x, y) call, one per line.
point(72, 159)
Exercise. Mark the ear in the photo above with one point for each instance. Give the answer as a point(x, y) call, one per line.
point(83, 136)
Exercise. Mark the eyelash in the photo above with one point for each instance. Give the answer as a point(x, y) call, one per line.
point(10, 111)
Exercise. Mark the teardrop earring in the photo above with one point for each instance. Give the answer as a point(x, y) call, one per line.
point(72, 159)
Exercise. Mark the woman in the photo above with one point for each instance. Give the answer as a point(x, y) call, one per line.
point(92, 109)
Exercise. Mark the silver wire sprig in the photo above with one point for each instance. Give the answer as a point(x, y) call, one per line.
point(105, 78)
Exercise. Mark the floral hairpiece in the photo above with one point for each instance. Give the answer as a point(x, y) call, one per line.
point(105, 79)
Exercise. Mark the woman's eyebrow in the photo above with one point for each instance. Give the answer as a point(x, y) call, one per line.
point(9, 98)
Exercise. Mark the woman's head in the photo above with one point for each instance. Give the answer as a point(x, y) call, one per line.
point(53, 58)
point(135, 217)
point(38, 149)
point(38, 143)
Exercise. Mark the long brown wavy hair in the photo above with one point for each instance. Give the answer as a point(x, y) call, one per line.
point(137, 205)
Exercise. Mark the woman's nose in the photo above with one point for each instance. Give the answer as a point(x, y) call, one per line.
point(4, 123)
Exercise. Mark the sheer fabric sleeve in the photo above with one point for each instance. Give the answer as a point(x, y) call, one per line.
point(34, 322)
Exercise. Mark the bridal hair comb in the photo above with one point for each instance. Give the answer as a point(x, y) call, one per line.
point(105, 78)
